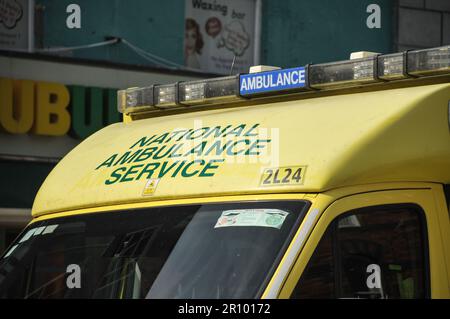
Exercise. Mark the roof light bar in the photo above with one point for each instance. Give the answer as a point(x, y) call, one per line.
point(228, 89)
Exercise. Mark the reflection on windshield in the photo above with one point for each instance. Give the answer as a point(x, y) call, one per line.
point(198, 251)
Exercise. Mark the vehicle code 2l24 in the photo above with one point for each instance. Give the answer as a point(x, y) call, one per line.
point(278, 176)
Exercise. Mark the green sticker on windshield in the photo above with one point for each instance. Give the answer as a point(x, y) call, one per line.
point(261, 217)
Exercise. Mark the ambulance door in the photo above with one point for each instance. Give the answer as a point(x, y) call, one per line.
point(384, 244)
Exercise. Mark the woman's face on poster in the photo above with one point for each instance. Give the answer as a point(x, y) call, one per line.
point(190, 41)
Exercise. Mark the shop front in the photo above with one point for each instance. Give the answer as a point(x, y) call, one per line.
point(47, 106)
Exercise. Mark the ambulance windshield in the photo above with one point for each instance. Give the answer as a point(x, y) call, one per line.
point(199, 251)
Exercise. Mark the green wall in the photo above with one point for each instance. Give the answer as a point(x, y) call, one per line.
point(298, 32)
point(294, 32)
point(20, 182)
point(155, 26)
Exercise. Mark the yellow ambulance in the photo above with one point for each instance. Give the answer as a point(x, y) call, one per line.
point(322, 181)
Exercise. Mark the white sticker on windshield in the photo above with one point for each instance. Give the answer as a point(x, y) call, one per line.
point(260, 217)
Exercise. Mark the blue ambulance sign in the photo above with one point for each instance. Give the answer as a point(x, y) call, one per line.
point(278, 80)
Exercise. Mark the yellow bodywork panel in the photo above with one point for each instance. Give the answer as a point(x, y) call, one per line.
point(308, 145)
point(333, 204)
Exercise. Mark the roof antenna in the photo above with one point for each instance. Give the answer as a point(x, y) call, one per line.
point(232, 65)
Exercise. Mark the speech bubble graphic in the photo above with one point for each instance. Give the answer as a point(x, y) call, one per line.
point(10, 13)
point(235, 38)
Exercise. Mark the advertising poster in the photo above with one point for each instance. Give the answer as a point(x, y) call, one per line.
point(218, 31)
point(15, 24)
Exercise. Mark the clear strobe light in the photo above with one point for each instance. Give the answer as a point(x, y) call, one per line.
point(343, 73)
point(135, 99)
point(166, 95)
point(392, 66)
point(219, 90)
point(429, 61)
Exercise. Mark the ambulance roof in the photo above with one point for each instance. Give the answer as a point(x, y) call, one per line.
point(397, 134)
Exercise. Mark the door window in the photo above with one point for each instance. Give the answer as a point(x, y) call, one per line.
point(373, 252)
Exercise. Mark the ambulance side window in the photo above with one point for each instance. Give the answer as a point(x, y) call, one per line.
point(447, 196)
point(373, 252)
